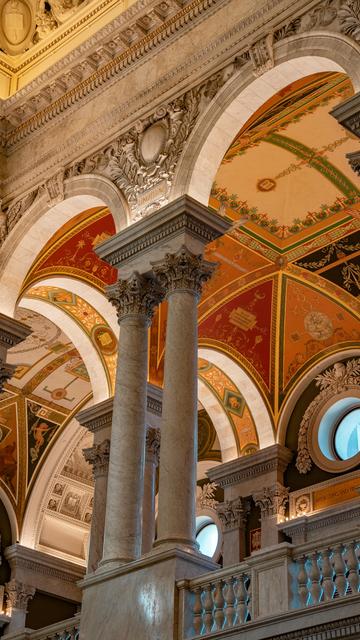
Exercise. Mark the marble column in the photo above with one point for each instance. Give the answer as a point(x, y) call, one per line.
point(97, 419)
point(272, 502)
point(233, 515)
point(152, 451)
point(11, 333)
point(18, 595)
point(182, 275)
point(135, 300)
point(98, 457)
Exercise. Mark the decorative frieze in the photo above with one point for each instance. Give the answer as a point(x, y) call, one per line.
point(272, 500)
point(139, 295)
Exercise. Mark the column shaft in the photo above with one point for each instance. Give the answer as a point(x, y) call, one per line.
point(122, 538)
point(177, 488)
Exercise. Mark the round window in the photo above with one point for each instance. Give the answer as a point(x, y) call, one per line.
point(336, 436)
point(347, 435)
point(207, 535)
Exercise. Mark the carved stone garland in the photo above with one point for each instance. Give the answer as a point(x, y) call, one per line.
point(339, 378)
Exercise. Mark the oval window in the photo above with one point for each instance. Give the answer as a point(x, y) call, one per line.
point(207, 535)
point(347, 435)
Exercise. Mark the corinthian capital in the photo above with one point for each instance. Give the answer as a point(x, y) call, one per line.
point(98, 457)
point(152, 444)
point(18, 594)
point(232, 513)
point(6, 372)
point(272, 500)
point(183, 271)
point(136, 296)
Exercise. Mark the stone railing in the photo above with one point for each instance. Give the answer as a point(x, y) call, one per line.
point(277, 581)
point(326, 572)
point(64, 630)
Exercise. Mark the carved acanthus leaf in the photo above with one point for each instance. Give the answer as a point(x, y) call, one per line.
point(272, 500)
point(18, 595)
point(183, 271)
point(333, 381)
point(232, 513)
point(138, 295)
point(205, 498)
point(349, 19)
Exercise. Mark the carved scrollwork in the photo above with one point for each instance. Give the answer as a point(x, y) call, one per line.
point(98, 457)
point(18, 595)
point(333, 381)
point(152, 444)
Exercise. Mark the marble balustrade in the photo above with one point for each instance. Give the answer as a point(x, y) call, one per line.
point(232, 597)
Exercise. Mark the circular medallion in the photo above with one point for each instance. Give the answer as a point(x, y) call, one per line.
point(17, 25)
point(266, 184)
point(105, 340)
point(318, 325)
point(153, 142)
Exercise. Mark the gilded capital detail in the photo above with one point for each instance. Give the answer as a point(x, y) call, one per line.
point(183, 271)
point(272, 500)
point(136, 296)
point(152, 444)
point(98, 457)
point(18, 595)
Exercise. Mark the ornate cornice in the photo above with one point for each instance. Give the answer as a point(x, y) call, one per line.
point(97, 417)
point(12, 331)
point(354, 161)
point(263, 462)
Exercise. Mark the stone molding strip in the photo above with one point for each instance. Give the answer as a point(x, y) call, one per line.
point(262, 462)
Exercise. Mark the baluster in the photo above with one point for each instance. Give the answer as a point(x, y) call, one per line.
point(314, 575)
point(219, 605)
point(229, 596)
point(197, 611)
point(302, 582)
point(241, 597)
point(248, 590)
point(208, 606)
point(328, 576)
point(353, 567)
point(340, 569)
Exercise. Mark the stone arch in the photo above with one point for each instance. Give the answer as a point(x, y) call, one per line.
point(306, 379)
point(221, 422)
point(11, 514)
point(81, 342)
point(250, 392)
point(91, 294)
point(242, 95)
point(38, 224)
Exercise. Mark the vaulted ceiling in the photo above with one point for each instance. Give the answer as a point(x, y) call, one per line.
point(285, 293)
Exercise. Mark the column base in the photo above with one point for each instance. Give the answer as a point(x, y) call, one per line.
point(138, 600)
point(189, 546)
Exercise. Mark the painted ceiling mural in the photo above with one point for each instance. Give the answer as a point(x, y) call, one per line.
point(49, 386)
point(284, 295)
